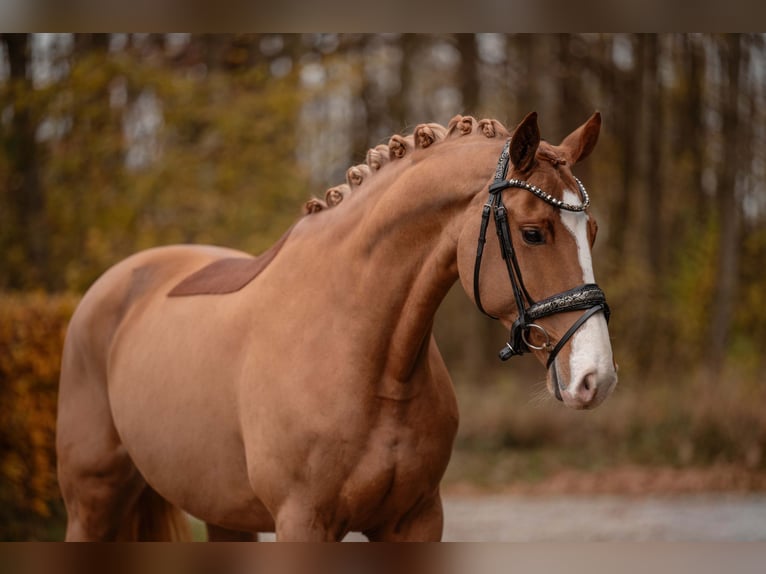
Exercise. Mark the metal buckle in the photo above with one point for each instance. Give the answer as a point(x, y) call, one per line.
point(545, 346)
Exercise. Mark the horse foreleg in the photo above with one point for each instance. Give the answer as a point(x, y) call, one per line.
point(423, 523)
point(297, 521)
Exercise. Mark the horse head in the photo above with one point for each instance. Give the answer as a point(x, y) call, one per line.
point(537, 276)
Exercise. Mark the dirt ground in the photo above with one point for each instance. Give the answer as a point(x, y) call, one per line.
point(583, 518)
point(630, 481)
point(711, 517)
point(624, 504)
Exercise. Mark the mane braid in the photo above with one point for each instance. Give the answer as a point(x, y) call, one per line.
point(422, 137)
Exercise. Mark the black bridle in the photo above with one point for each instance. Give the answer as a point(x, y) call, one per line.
point(588, 297)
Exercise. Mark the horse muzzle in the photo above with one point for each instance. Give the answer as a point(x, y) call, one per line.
point(585, 390)
point(588, 386)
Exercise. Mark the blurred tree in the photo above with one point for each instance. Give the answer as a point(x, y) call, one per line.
point(140, 148)
point(399, 101)
point(728, 208)
point(653, 206)
point(524, 62)
point(629, 101)
point(25, 228)
point(468, 74)
point(570, 66)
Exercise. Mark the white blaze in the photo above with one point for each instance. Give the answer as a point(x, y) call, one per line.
point(577, 224)
point(591, 350)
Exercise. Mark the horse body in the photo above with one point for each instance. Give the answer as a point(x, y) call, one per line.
point(313, 401)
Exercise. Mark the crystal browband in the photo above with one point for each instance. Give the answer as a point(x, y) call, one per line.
point(546, 197)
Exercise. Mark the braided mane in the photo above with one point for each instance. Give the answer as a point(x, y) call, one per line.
point(399, 146)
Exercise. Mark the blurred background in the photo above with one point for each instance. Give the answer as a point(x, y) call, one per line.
point(111, 143)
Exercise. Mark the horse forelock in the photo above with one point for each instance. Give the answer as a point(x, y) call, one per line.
point(554, 181)
point(423, 137)
point(548, 153)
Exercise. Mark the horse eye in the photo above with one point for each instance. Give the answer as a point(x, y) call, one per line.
point(533, 236)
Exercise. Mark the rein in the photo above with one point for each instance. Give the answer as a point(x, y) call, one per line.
point(588, 297)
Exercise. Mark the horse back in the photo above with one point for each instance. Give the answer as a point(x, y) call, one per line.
point(117, 292)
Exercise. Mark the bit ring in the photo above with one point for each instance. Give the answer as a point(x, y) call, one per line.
point(545, 346)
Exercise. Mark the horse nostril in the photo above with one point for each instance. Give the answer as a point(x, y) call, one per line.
point(586, 391)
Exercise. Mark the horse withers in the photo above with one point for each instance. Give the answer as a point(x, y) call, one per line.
point(310, 399)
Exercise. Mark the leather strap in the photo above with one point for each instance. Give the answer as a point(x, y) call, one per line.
point(479, 253)
point(577, 299)
point(571, 331)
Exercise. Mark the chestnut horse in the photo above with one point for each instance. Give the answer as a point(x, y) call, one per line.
point(313, 401)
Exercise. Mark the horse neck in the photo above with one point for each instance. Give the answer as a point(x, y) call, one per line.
point(399, 239)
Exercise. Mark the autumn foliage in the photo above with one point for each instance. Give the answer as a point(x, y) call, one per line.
point(32, 329)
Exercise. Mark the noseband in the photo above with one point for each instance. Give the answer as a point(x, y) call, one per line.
point(588, 297)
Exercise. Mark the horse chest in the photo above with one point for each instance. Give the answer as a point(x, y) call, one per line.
point(402, 461)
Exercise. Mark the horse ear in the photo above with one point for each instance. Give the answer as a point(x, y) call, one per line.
point(581, 142)
point(524, 142)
